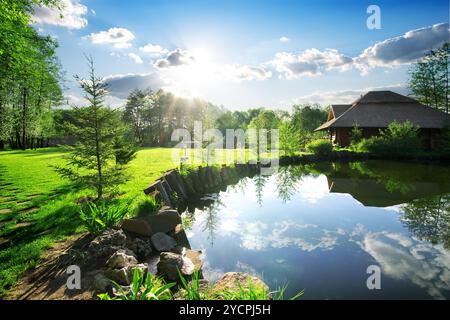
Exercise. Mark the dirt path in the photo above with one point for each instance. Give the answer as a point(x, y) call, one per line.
point(47, 281)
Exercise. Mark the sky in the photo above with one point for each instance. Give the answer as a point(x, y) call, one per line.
point(245, 53)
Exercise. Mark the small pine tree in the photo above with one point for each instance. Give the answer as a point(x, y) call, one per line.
point(356, 134)
point(100, 153)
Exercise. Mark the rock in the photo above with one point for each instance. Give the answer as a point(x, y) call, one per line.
point(187, 263)
point(101, 283)
point(121, 258)
point(230, 281)
point(163, 221)
point(106, 244)
point(179, 235)
point(162, 242)
point(142, 248)
point(137, 226)
point(124, 276)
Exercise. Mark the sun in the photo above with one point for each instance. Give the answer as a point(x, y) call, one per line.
point(197, 77)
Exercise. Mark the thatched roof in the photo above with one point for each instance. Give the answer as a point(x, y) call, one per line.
point(377, 109)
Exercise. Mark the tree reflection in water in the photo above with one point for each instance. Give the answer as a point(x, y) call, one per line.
point(429, 219)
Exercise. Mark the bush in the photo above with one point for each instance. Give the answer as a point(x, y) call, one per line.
point(356, 135)
point(398, 140)
point(148, 288)
point(320, 147)
point(99, 217)
point(144, 204)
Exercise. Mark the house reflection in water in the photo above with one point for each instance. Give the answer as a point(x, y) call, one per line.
point(377, 188)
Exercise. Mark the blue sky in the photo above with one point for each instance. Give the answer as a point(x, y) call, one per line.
point(244, 54)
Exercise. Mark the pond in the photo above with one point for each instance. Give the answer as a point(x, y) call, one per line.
point(319, 227)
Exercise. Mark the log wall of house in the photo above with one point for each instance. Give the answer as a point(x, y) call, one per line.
point(342, 136)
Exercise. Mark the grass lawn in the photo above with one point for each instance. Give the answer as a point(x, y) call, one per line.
point(38, 208)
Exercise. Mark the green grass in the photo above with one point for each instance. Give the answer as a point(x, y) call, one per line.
point(39, 208)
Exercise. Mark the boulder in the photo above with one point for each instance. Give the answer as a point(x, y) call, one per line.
point(124, 276)
point(106, 244)
point(179, 235)
point(162, 242)
point(121, 258)
point(101, 283)
point(187, 262)
point(137, 226)
point(230, 281)
point(163, 221)
point(141, 247)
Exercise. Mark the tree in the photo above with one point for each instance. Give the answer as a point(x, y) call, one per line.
point(29, 75)
point(429, 79)
point(98, 157)
point(137, 112)
point(289, 138)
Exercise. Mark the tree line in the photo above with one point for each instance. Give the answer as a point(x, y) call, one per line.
point(30, 77)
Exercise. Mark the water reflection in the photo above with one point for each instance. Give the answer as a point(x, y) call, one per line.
point(429, 219)
point(319, 226)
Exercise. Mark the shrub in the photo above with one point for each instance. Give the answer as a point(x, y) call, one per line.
point(398, 140)
point(320, 147)
point(99, 217)
point(355, 135)
point(145, 204)
point(148, 288)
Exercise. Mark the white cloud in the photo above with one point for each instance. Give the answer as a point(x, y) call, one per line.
point(284, 39)
point(120, 85)
point(72, 15)
point(310, 62)
point(153, 50)
point(345, 96)
point(404, 49)
point(118, 37)
point(240, 73)
point(389, 53)
point(137, 59)
point(175, 58)
point(399, 259)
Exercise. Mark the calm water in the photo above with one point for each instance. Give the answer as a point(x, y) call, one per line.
point(319, 227)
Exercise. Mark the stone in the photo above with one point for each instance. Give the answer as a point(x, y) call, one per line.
point(106, 244)
point(169, 264)
point(124, 276)
point(101, 283)
point(137, 226)
point(187, 263)
point(142, 248)
point(163, 221)
point(121, 258)
point(230, 281)
point(179, 235)
point(162, 242)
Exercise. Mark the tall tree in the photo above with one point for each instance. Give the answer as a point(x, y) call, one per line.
point(98, 157)
point(429, 79)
